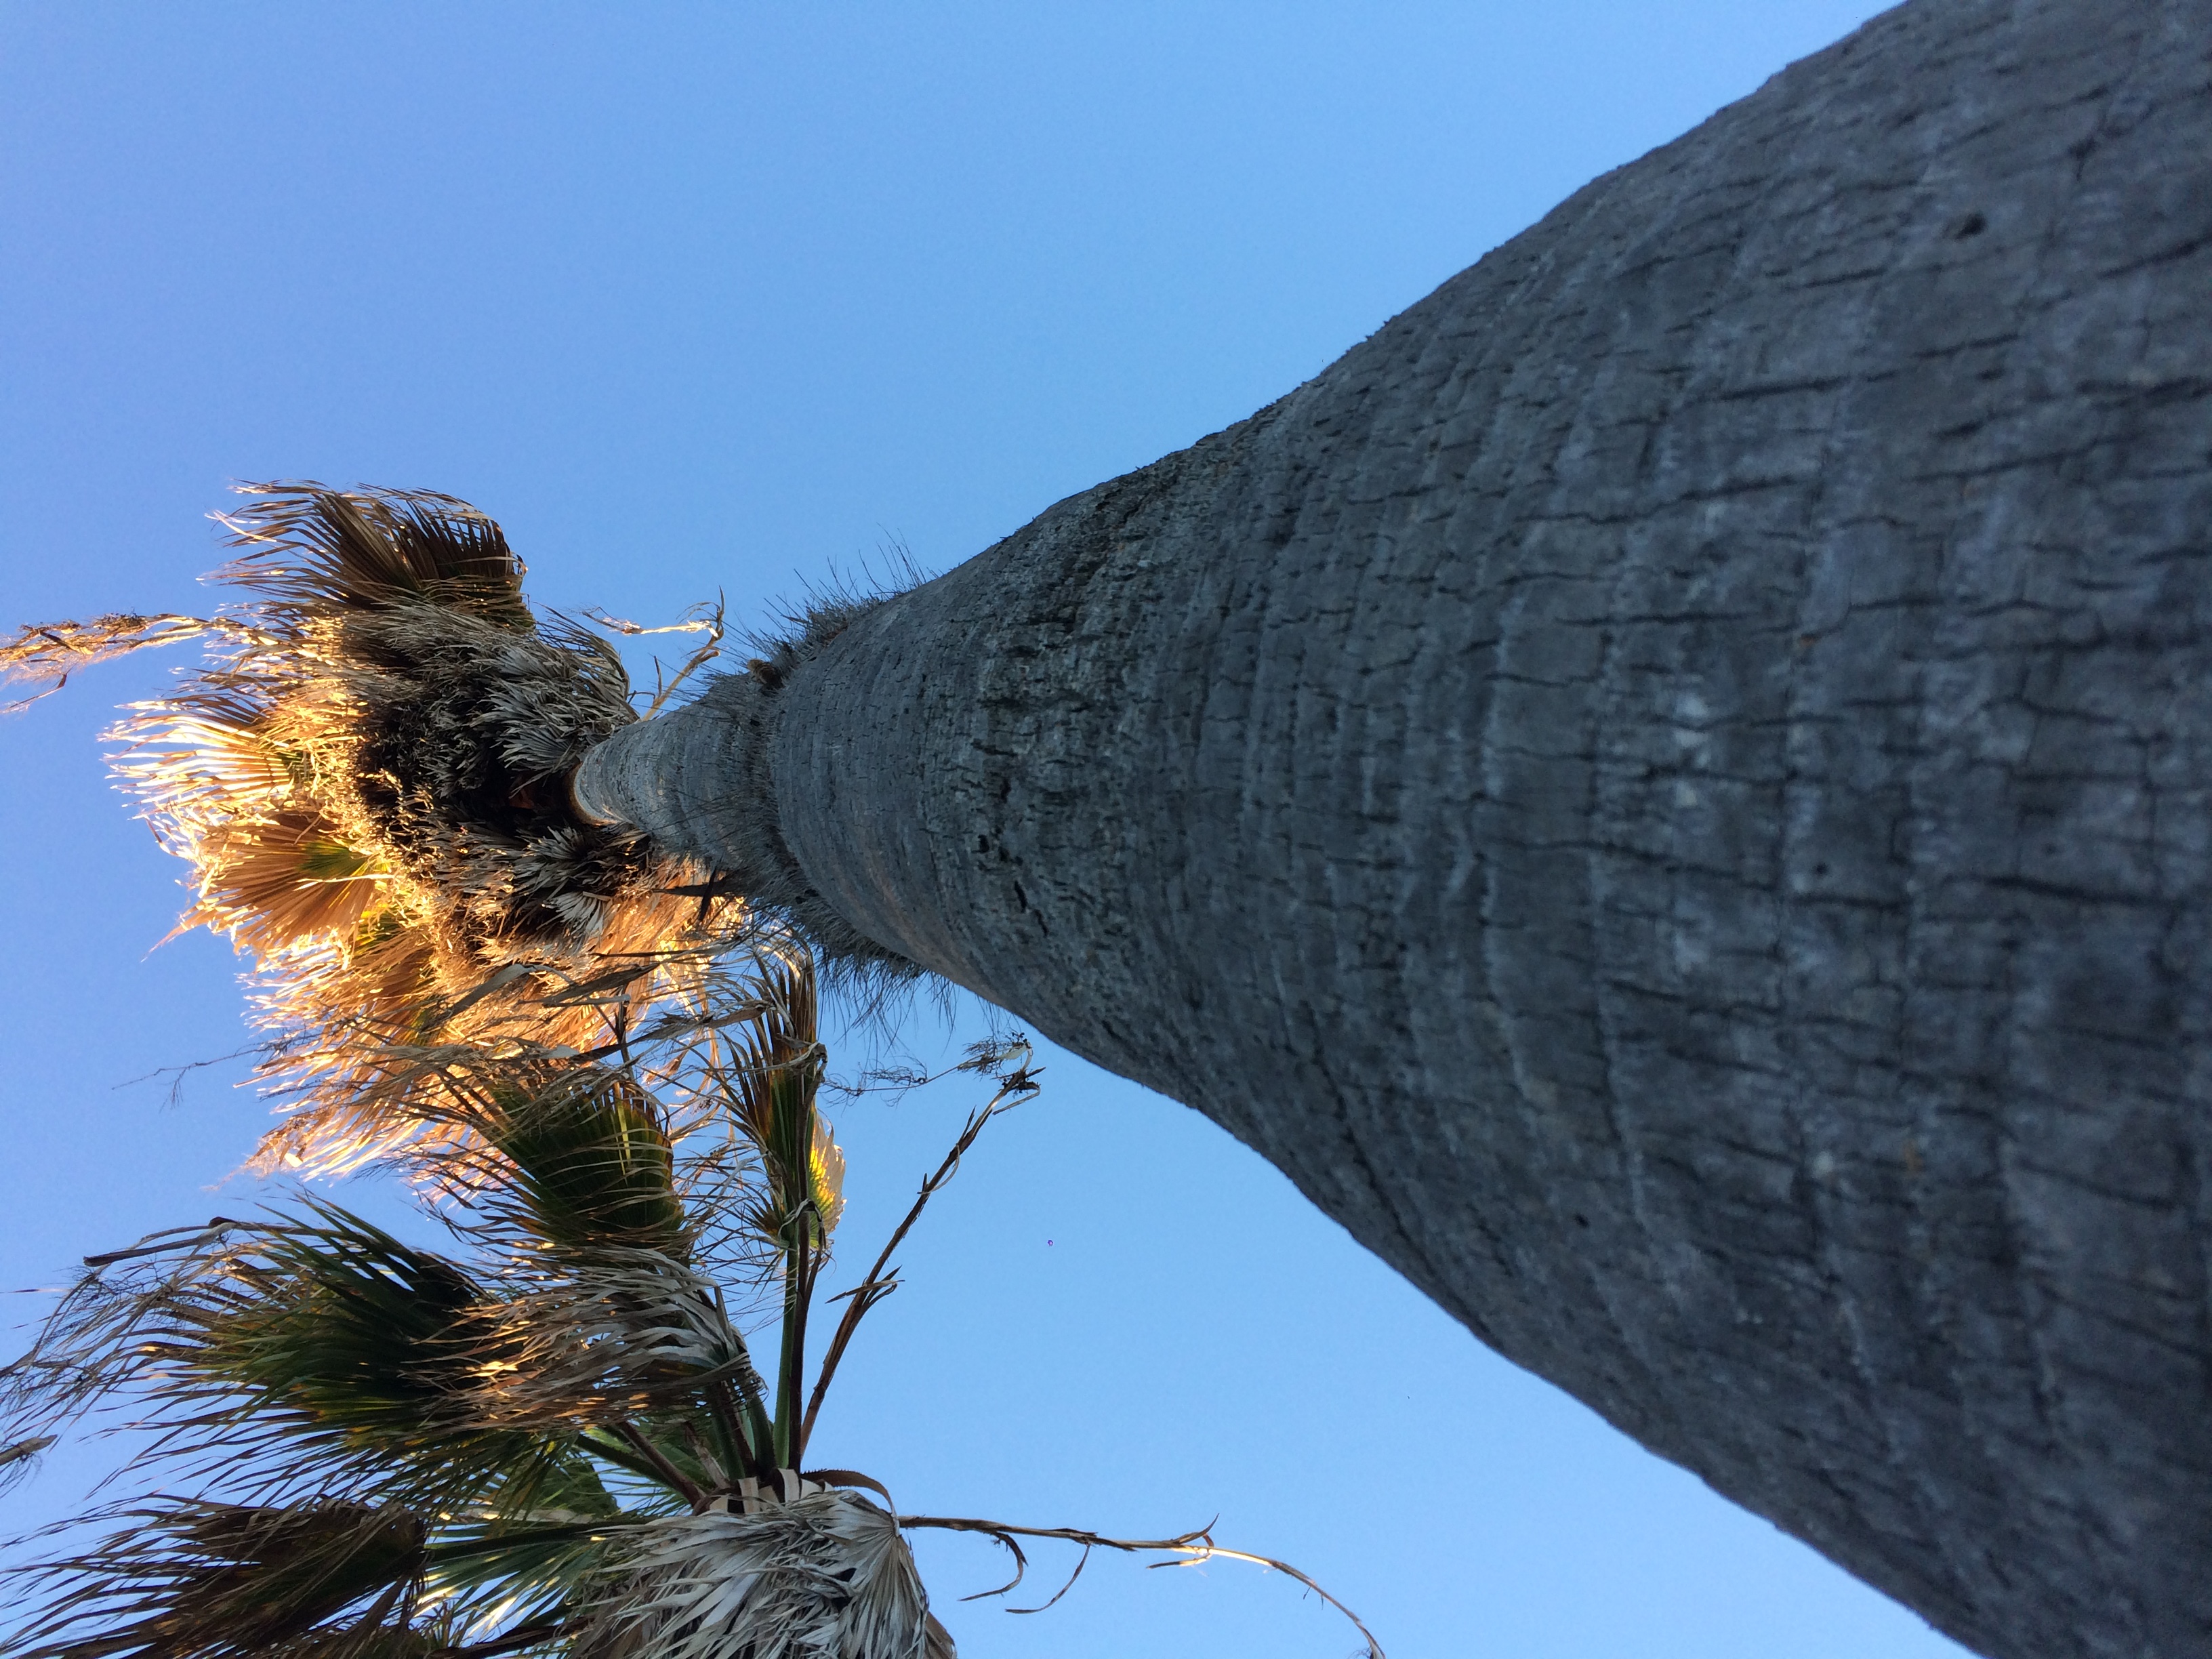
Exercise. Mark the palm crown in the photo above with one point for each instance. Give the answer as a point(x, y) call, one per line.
point(369, 782)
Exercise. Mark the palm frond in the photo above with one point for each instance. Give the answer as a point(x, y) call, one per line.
point(316, 1347)
point(617, 1334)
point(772, 1079)
point(542, 1150)
point(283, 1357)
point(555, 1445)
point(826, 1576)
point(196, 1580)
point(309, 546)
point(47, 654)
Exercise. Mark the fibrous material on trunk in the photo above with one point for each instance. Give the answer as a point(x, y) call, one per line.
point(703, 791)
point(1668, 791)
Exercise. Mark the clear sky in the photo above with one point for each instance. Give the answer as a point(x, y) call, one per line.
point(700, 298)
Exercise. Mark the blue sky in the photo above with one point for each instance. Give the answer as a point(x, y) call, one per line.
point(732, 298)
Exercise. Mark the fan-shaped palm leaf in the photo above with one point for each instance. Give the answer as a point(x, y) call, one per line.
point(553, 1443)
point(227, 1581)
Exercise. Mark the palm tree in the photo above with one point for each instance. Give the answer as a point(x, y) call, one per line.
point(1665, 791)
point(1662, 790)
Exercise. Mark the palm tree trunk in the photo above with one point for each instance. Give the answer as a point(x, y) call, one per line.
point(1668, 791)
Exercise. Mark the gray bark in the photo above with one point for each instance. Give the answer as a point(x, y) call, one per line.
point(1668, 791)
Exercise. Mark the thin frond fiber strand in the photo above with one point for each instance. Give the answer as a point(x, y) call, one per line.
point(1189, 1549)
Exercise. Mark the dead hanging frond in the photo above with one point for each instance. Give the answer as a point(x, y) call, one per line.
point(827, 1576)
point(370, 783)
point(1189, 1549)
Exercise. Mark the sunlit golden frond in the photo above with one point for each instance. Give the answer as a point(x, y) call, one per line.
point(369, 781)
point(47, 654)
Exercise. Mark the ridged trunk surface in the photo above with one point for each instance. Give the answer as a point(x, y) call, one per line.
point(1668, 790)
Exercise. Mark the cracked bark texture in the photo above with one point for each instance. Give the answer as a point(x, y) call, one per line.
point(1668, 791)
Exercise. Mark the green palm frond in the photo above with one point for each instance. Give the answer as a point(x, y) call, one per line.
point(594, 1164)
point(284, 1355)
point(317, 1347)
point(322, 1579)
point(196, 1580)
point(610, 1337)
point(573, 1155)
point(773, 1079)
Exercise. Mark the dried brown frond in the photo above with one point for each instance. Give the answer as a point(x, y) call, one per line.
point(307, 546)
point(824, 1577)
point(49, 653)
point(1189, 1549)
point(370, 782)
point(353, 1015)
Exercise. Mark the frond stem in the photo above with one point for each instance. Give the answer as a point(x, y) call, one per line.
point(730, 1429)
point(522, 1636)
point(879, 1283)
point(801, 1264)
point(1191, 1549)
point(667, 1472)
